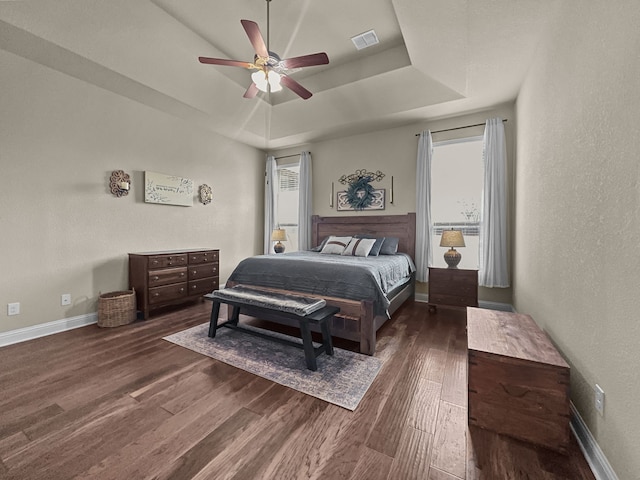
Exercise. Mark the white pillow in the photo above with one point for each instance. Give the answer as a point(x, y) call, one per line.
point(335, 245)
point(359, 247)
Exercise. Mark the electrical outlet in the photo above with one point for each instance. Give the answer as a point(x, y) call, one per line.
point(599, 399)
point(65, 299)
point(13, 308)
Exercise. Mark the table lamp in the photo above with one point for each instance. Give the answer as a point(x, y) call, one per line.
point(278, 235)
point(452, 238)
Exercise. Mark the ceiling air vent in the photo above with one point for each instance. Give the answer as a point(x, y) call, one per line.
point(365, 39)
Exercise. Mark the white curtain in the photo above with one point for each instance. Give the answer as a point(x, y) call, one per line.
point(270, 184)
point(494, 270)
point(424, 228)
point(305, 208)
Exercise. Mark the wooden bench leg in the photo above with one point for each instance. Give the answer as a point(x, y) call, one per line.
point(326, 336)
point(235, 315)
point(213, 323)
point(307, 343)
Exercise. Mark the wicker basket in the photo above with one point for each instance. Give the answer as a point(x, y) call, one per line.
point(116, 308)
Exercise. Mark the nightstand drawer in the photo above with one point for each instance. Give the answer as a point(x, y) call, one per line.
point(453, 300)
point(167, 276)
point(454, 275)
point(453, 288)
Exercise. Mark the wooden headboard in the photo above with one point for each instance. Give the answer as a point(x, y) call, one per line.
point(401, 226)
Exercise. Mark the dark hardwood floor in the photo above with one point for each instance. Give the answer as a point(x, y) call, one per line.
point(122, 403)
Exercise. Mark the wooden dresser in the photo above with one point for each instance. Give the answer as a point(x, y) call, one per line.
point(518, 382)
point(172, 277)
point(453, 286)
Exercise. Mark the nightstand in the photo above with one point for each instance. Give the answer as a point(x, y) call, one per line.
point(453, 286)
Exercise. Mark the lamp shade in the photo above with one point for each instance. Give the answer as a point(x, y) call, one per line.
point(279, 235)
point(452, 238)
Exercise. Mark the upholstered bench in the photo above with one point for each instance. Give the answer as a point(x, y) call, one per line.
point(305, 310)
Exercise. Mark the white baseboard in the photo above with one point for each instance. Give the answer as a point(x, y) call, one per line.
point(599, 464)
point(44, 329)
point(505, 307)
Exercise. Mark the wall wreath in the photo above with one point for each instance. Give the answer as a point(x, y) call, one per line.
point(360, 194)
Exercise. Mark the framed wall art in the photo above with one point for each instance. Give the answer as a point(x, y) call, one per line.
point(361, 200)
point(168, 189)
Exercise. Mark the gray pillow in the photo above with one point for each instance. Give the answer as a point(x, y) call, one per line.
point(319, 247)
point(389, 246)
point(375, 250)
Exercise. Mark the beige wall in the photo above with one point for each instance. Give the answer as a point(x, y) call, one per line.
point(61, 231)
point(394, 152)
point(578, 212)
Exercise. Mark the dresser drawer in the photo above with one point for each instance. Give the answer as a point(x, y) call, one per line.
point(167, 276)
point(162, 261)
point(206, 285)
point(207, 256)
point(202, 271)
point(167, 292)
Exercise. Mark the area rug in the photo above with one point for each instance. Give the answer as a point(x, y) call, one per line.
point(341, 379)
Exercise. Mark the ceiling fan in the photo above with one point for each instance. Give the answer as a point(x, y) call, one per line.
point(271, 71)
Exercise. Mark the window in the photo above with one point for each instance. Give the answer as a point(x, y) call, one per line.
point(457, 178)
point(287, 203)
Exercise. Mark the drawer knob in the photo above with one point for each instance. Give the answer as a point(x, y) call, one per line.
point(182, 274)
point(170, 263)
point(182, 289)
point(194, 287)
point(194, 272)
point(155, 278)
point(156, 294)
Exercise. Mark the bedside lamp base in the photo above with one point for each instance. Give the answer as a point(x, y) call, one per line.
point(452, 257)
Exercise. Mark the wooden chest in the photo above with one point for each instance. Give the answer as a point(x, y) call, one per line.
point(518, 382)
point(172, 277)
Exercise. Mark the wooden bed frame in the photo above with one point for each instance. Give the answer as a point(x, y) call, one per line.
point(356, 320)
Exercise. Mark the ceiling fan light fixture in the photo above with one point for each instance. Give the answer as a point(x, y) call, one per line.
point(268, 80)
point(274, 81)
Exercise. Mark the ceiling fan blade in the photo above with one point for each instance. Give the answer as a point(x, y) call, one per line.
point(295, 87)
point(223, 61)
point(255, 37)
point(251, 92)
point(305, 60)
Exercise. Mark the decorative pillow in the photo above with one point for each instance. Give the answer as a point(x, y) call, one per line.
point(375, 250)
point(322, 244)
point(359, 247)
point(389, 246)
point(335, 245)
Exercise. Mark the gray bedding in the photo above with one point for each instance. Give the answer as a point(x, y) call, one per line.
point(354, 278)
